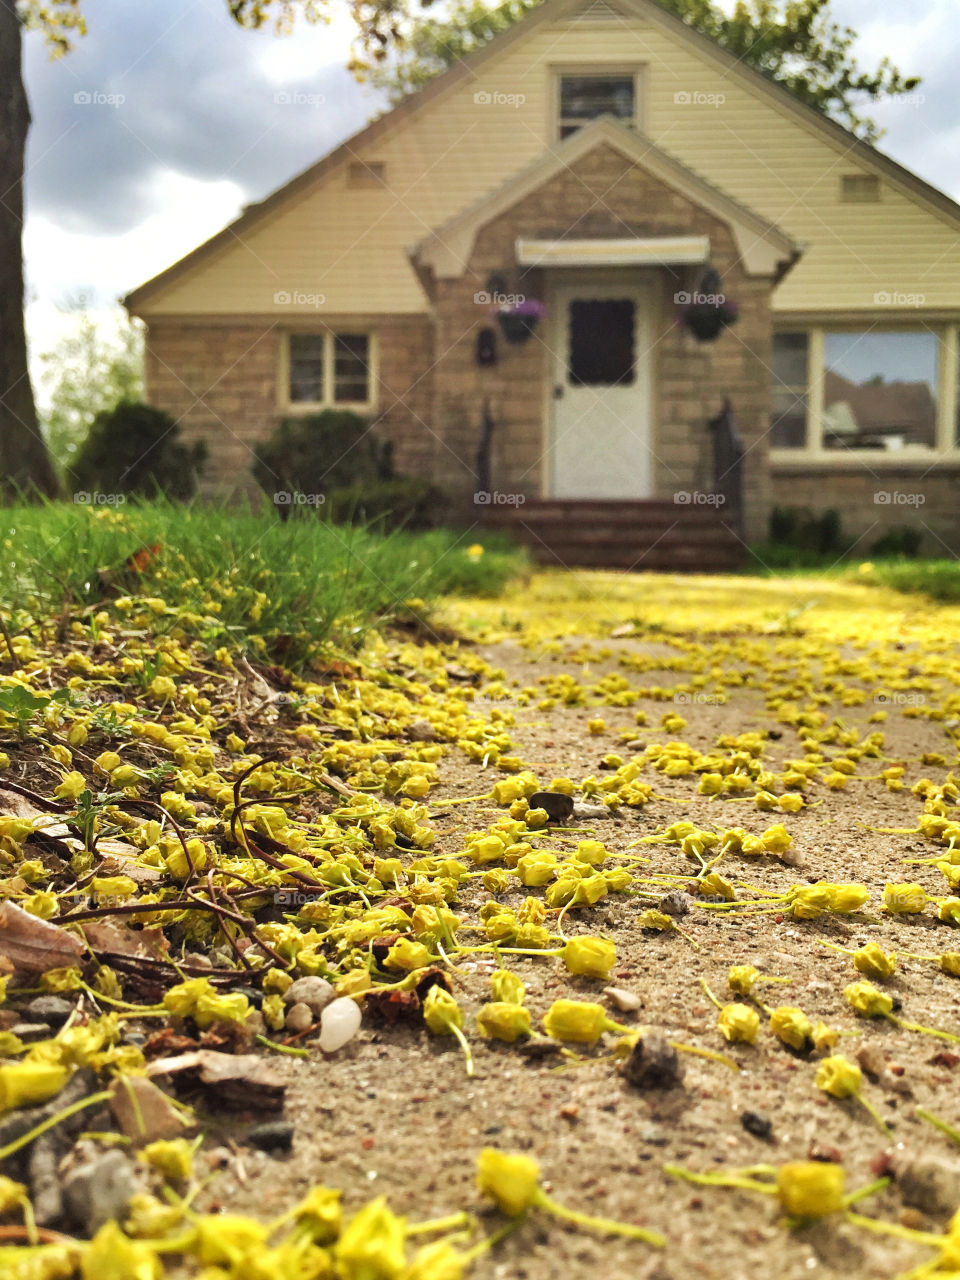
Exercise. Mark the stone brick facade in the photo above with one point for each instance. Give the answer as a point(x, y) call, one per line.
point(219, 376)
point(219, 379)
point(877, 497)
point(604, 195)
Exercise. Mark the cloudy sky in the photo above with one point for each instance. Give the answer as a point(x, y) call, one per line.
point(164, 121)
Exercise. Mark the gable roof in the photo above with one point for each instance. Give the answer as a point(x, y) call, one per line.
point(763, 247)
point(551, 11)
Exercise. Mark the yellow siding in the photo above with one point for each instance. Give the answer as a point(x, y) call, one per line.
point(349, 244)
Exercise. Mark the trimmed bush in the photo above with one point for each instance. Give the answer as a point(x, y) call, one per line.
point(133, 449)
point(401, 503)
point(321, 452)
point(901, 540)
point(801, 529)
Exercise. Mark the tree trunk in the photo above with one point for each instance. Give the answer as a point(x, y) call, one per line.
point(24, 457)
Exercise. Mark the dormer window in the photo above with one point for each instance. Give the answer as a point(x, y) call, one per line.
point(586, 96)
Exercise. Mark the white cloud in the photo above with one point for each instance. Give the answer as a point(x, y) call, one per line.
point(311, 46)
point(62, 264)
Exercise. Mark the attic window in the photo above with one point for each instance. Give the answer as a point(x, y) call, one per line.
point(586, 97)
point(366, 173)
point(860, 188)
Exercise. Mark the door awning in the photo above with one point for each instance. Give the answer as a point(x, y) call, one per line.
point(629, 251)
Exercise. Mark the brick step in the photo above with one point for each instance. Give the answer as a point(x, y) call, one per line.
point(639, 563)
point(615, 513)
point(692, 553)
point(678, 534)
point(658, 535)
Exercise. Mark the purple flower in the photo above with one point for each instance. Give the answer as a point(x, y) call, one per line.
point(530, 308)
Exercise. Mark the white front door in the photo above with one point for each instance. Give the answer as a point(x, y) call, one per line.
point(600, 433)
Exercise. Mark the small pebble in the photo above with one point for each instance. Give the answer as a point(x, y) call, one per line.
point(272, 1135)
point(538, 1047)
point(929, 1183)
point(756, 1123)
point(675, 904)
point(339, 1023)
point(31, 1032)
point(53, 1010)
point(421, 731)
point(299, 1018)
point(622, 999)
point(558, 806)
point(315, 993)
point(871, 1060)
point(653, 1063)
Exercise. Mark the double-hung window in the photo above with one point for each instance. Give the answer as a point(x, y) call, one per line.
point(330, 369)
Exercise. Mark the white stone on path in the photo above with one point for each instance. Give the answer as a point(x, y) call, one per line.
point(339, 1022)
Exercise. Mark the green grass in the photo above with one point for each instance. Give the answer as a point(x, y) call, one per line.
point(231, 576)
point(939, 579)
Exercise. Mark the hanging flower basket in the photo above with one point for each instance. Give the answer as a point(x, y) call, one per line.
point(708, 311)
point(519, 321)
point(706, 321)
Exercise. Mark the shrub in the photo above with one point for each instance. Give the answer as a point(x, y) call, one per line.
point(804, 530)
point(402, 503)
point(334, 449)
point(133, 449)
point(901, 540)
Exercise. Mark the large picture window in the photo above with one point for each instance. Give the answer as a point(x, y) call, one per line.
point(847, 391)
point(880, 389)
point(790, 391)
point(329, 369)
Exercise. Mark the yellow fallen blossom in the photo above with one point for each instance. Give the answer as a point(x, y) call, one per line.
point(502, 1020)
point(197, 999)
point(839, 1077)
point(742, 978)
point(507, 987)
point(905, 899)
point(171, 1157)
point(372, 1245)
point(811, 1188)
point(319, 1215)
point(824, 1037)
point(111, 1255)
point(792, 1026)
point(24, 1084)
point(536, 869)
point(867, 1001)
point(590, 957)
point(872, 961)
point(444, 1017)
point(407, 955)
point(578, 1021)
point(843, 1079)
point(511, 1181)
point(847, 898)
point(738, 1023)
point(71, 785)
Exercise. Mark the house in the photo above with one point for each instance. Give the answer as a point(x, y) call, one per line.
point(604, 160)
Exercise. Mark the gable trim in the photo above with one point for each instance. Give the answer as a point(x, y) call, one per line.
point(763, 247)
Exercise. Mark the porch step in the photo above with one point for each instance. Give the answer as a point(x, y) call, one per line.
point(658, 535)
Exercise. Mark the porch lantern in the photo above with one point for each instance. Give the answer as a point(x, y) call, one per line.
point(708, 311)
point(518, 321)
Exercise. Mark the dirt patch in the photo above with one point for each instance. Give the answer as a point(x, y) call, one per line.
point(395, 1113)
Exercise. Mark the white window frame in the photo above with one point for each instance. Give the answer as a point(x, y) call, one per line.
point(559, 70)
point(945, 445)
point(329, 333)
